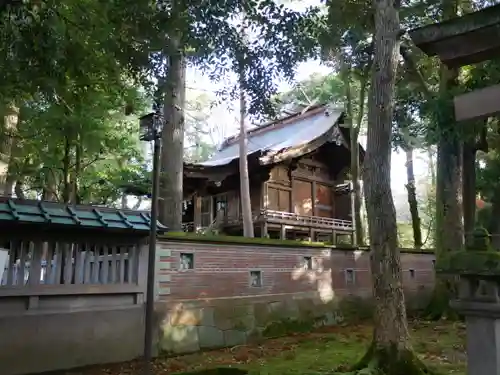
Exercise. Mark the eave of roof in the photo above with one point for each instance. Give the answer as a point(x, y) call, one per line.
point(57, 215)
point(291, 133)
point(469, 39)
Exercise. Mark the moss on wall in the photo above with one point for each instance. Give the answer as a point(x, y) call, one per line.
point(466, 262)
point(236, 240)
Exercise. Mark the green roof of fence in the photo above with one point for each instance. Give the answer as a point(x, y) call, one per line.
point(23, 211)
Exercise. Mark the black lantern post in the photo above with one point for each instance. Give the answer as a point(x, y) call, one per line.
point(150, 130)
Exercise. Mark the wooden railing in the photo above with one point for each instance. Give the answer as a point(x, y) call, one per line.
point(304, 220)
point(288, 218)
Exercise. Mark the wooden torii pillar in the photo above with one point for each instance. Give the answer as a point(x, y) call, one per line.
point(466, 40)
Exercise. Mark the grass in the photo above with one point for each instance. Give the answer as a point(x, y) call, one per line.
point(440, 345)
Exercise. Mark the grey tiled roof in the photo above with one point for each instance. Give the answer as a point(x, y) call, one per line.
point(304, 129)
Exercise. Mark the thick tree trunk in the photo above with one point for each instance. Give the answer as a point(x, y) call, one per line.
point(172, 155)
point(449, 229)
point(391, 352)
point(412, 200)
point(246, 205)
point(391, 328)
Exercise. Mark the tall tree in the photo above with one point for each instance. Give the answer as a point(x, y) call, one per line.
point(200, 34)
point(172, 156)
point(409, 134)
point(391, 352)
point(246, 205)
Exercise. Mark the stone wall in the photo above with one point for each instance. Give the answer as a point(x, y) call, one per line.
point(214, 304)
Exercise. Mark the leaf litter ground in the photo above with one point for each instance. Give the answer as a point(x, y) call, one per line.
point(440, 345)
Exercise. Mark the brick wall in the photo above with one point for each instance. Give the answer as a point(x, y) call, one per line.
point(224, 270)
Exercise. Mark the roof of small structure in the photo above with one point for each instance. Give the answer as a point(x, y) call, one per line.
point(278, 136)
point(469, 39)
point(23, 211)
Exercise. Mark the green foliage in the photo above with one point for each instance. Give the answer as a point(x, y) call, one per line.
point(241, 240)
point(72, 69)
point(181, 236)
point(481, 263)
point(279, 39)
point(200, 136)
point(317, 89)
point(84, 147)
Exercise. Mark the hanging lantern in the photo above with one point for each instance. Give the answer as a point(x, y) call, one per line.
point(150, 126)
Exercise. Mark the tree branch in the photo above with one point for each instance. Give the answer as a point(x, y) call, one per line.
point(415, 72)
point(362, 96)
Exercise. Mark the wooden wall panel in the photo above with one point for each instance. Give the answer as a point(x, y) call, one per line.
point(302, 197)
point(324, 201)
point(233, 204)
point(279, 175)
point(278, 199)
point(272, 199)
point(284, 200)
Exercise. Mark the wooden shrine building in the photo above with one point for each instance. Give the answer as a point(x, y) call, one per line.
point(298, 168)
point(470, 39)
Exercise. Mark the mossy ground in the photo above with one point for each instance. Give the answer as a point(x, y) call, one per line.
point(439, 345)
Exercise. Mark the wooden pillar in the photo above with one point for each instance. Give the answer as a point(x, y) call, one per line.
point(311, 234)
point(313, 198)
point(263, 230)
point(334, 237)
point(263, 196)
point(197, 212)
point(283, 233)
point(211, 208)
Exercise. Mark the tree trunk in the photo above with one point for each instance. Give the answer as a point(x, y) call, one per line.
point(469, 189)
point(7, 151)
point(172, 154)
point(354, 147)
point(19, 188)
point(390, 352)
point(432, 167)
point(449, 228)
point(412, 200)
point(246, 205)
point(75, 197)
point(50, 190)
point(66, 194)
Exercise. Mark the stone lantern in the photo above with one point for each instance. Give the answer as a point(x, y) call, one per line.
point(478, 269)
